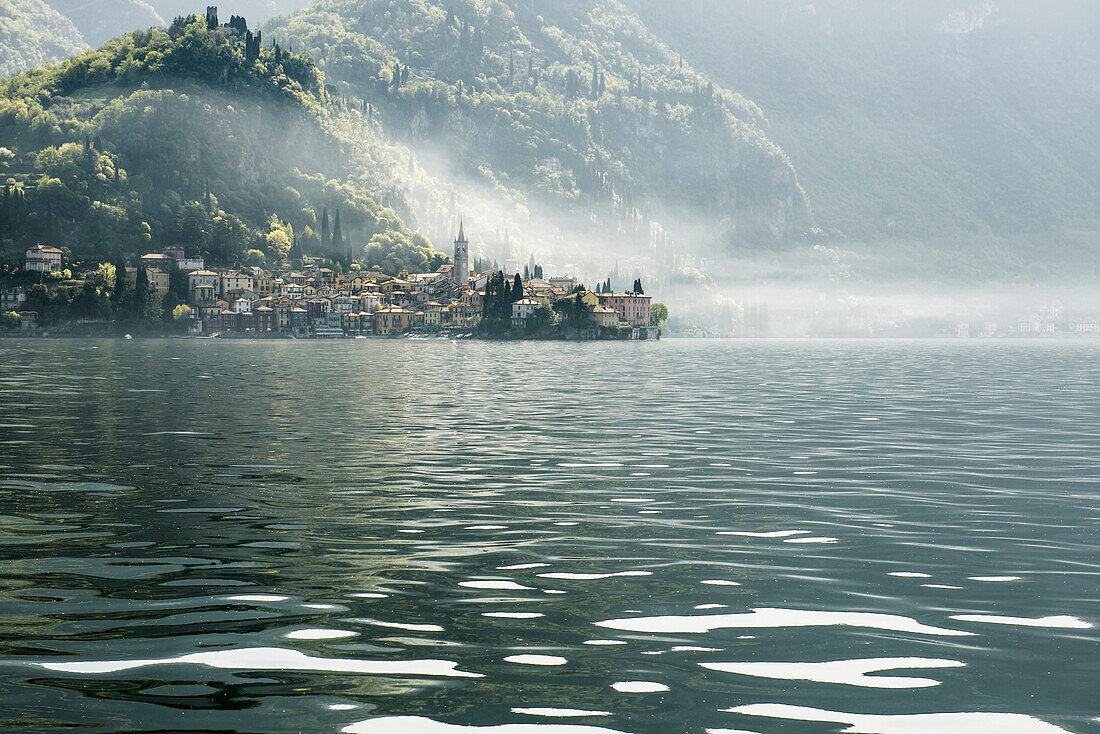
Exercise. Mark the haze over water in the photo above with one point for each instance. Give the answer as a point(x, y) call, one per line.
point(682, 536)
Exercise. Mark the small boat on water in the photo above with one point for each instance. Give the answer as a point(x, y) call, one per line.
point(127, 337)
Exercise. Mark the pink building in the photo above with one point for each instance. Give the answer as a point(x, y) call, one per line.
point(633, 308)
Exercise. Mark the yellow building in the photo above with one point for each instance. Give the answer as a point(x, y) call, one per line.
point(390, 286)
point(605, 317)
point(433, 316)
point(281, 307)
point(209, 313)
point(158, 280)
point(393, 320)
point(265, 285)
point(232, 281)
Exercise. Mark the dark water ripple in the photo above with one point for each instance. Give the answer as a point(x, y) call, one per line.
point(893, 538)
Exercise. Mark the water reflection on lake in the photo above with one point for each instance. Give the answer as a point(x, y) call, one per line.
point(434, 536)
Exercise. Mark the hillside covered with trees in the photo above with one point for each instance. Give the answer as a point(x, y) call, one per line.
point(32, 34)
point(200, 136)
point(573, 105)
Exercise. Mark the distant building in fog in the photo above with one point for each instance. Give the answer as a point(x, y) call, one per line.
point(461, 272)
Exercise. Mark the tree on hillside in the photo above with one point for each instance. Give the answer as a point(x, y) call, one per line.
point(119, 289)
point(658, 313)
point(339, 250)
point(141, 292)
point(296, 255)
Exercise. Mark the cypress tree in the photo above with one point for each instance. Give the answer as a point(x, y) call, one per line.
point(517, 289)
point(338, 240)
point(120, 279)
point(296, 254)
point(324, 231)
point(141, 292)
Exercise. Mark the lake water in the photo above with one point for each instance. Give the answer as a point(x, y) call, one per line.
point(434, 536)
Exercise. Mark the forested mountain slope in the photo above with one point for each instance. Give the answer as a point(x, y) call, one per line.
point(32, 33)
point(196, 136)
point(102, 20)
point(571, 105)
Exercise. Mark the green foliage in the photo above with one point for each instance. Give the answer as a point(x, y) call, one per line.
point(658, 313)
point(496, 314)
point(542, 319)
point(9, 320)
point(574, 311)
point(575, 103)
point(166, 137)
point(32, 34)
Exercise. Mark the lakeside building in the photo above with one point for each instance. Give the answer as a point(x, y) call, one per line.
point(158, 279)
point(12, 299)
point(320, 302)
point(172, 257)
point(42, 259)
point(633, 308)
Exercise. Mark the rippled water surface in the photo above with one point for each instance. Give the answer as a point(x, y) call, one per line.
point(438, 537)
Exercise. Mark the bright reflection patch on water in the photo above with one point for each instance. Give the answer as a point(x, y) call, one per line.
point(846, 672)
point(763, 618)
point(271, 658)
point(764, 534)
point(493, 584)
point(421, 725)
point(319, 634)
point(411, 626)
point(1052, 622)
point(536, 659)
point(639, 686)
point(962, 723)
point(591, 576)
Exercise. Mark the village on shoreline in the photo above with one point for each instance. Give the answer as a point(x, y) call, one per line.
point(318, 302)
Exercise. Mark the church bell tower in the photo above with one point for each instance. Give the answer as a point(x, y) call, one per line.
point(461, 274)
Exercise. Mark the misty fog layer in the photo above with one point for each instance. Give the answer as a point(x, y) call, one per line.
point(770, 168)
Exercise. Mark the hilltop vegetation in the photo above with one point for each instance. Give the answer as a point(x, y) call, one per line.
point(102, 20)
point(32, 34)
point(574, 103)
point(179, 136)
